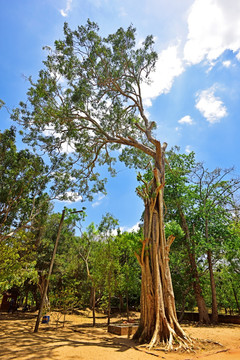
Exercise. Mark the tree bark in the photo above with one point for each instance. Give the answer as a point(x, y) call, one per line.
point(158, 321)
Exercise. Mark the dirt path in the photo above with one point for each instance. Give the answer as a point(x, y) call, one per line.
point(78, 340)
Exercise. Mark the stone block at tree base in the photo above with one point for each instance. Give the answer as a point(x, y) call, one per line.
point(123, 329)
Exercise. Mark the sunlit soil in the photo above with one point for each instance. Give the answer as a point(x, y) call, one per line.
point(75, 338)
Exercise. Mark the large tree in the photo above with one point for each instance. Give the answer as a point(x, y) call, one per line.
point(89, 96)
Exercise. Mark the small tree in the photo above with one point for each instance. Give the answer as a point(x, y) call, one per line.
point(128, 283)
point(87, 249)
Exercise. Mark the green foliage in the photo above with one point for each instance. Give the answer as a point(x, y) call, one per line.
point(101, 260)
point(205, 199)
point(23, 182)
point(18, 260)
point(2, 103)
point(88, 97)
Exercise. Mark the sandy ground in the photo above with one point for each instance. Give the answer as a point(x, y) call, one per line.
point(79, 340)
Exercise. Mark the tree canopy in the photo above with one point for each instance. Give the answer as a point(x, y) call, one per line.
point(24, 178)
point(89, 97)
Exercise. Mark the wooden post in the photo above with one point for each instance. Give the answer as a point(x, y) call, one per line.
point(49, 274)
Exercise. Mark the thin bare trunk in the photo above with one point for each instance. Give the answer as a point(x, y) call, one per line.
point(127, 306)
point(109, 308)
point(93, 305)
point(213, 289)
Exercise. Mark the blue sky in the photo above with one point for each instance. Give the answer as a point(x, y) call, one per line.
point(194, 97)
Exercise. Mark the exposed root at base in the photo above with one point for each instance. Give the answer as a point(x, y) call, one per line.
point(211, 342)
point(188, 345)
point(174, 342)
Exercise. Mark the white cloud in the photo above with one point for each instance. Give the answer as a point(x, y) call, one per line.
point(213, 27)
point(68, 8)
point(211, 107)
point(134, 228)
point(186, 120)
point(238, 56)
point(72, 197)
point(187, 149)
point(98, 202)
point(66, 147)
point(168, 66)
point(227, 63)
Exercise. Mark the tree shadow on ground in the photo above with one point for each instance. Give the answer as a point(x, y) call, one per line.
point(17, 315)
point(18, 341)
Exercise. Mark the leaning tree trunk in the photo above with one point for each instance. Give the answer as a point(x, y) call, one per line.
point(158, 321)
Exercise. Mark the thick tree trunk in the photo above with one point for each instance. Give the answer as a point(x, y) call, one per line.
point(158, 321)
point(213, 289)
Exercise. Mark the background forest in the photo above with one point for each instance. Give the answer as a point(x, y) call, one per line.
point(96, 266)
